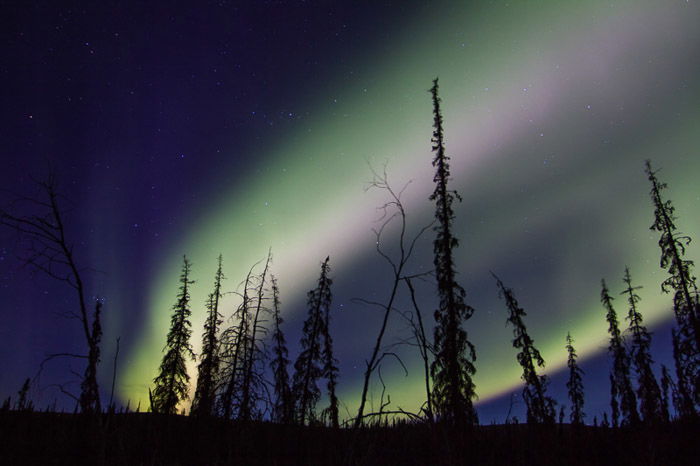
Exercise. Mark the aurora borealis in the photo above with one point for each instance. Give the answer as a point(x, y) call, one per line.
point(550, 110)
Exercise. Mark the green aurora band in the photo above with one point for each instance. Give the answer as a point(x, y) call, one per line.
point(550, 110)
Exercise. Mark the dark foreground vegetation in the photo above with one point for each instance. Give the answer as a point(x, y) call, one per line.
point(253, 405)
point(151, 439)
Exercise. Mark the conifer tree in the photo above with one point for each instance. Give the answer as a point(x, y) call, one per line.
point(540, 407)
point(667, 386)
point(614, 404)
point(170, 386)
point(453, 367)
point(686, 304)
point(684, 401)
point(575, 383)
point(330, 369)
point(621, 363)
point(309, 366)
point(648, 392)
point(283, 409)
point(205, 393)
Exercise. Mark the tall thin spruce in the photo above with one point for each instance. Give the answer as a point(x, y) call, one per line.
point(540, 407)
point(621, 384)
point(205, 393)
point(453, 367)
point(170, 386)
point(283, 409)
point(330, 370)
point(575, 383)
point(309, 366)
point(686, 303)
point(652, 408)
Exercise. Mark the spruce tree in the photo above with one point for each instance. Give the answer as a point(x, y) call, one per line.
point(453, 367)
point(170, 386)
point(622, 385)
point(686, 304)
point(283, 409)
point(575, 383)
point(205, 393)
point(614, 403)
point(667, 386)
point(309, 366)
point(540, 407)
point(330, 370)
point(648, 392)
point(684, 401)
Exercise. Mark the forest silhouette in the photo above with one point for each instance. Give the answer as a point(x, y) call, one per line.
point(253, 405)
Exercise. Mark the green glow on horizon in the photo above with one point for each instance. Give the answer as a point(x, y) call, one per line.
point(312, 180)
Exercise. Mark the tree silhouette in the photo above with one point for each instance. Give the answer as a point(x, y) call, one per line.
point(89, 392)
point(683, 402)
point(309, 365)
point(648, 392)
point(330, 368)
point(205, 393)
point(392, 210)
point(233, 353)
point(253, 353)
point(540, 407)
point(575, 383)
point(453, 367)
point(681, 281)
point(668, 386)
point(283, 409)
point(170, 386)
point(620, 378)
point(50, 252)
point(614, 403)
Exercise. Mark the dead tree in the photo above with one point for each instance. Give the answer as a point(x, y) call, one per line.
point(392, 210)
point(233, 347)
point(252, 353)
point(51, 252)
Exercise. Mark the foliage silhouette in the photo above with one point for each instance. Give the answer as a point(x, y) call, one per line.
point(686, 302)
point(540, 407)
point(310, 364)
point(205, 393)
point(171, 384)
point(575, 383)
point(652, 408)
point(453, 367)
point(621, 384)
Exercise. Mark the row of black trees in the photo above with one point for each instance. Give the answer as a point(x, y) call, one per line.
point(233, 383)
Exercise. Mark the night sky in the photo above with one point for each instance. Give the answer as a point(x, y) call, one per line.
point(234, 127)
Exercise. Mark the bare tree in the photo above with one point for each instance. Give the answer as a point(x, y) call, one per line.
point(51, 252)
point(392, 210)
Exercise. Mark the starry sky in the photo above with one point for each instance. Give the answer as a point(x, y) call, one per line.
point(234, 127)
